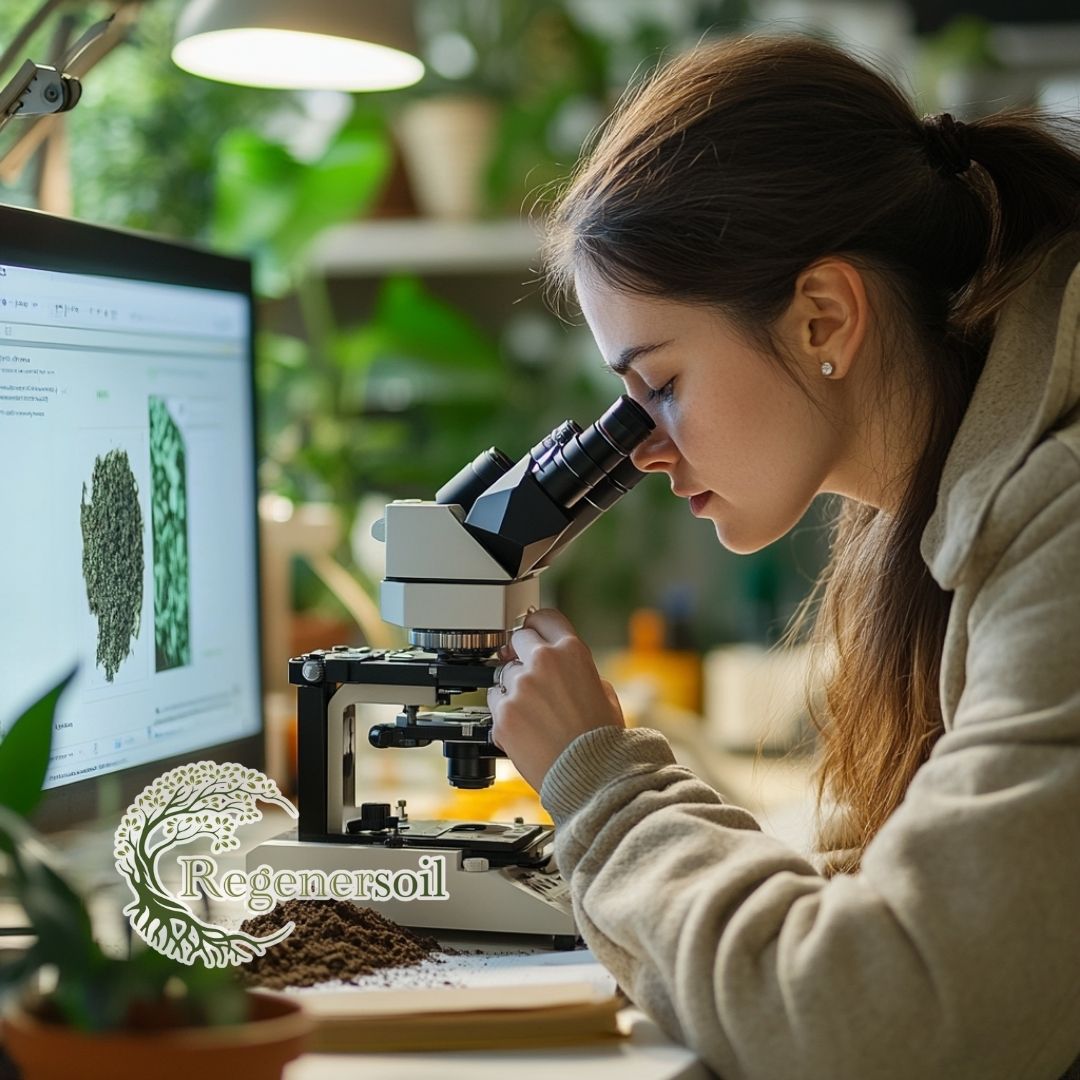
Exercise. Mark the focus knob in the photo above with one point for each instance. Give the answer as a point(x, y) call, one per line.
point(374, 816)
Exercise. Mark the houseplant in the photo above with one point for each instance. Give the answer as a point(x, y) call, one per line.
point(475, 133)
point(514, 88)
point(138, 1016)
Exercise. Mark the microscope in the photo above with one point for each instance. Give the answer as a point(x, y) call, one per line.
point(461, 573)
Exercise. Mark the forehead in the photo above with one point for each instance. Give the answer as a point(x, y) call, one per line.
point(619, 318)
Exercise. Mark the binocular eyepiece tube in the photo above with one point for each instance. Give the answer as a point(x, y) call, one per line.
point(570, 464)
point(522, 514)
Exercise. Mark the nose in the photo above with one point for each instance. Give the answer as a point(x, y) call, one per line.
point(656, 454)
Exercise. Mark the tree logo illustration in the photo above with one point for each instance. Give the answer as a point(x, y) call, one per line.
point(201, 799)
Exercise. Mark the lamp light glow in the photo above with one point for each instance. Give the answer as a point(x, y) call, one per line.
point(308, 45)
point(296, 60)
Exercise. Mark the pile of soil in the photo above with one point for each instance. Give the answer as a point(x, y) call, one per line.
point(332, 939)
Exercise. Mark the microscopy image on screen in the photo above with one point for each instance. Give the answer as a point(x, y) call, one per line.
point(169, 522)
point(112, 557)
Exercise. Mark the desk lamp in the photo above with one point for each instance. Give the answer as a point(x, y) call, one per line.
point(313, 45)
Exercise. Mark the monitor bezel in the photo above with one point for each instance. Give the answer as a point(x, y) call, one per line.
point(37, 240)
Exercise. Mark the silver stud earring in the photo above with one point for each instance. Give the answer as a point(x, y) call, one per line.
point(827, 369)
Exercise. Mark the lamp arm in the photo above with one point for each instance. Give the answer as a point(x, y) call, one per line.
point(101, 38)
point(87, 52)
point(18, 42)
point(98, 30)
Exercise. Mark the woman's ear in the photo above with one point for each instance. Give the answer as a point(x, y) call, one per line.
point(828, 316)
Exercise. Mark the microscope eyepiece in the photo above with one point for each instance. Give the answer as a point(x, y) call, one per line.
point(559, 437)
point(626, 424)
point(473, 480)
point(584, 459)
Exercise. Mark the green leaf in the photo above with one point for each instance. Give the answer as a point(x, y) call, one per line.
point(24, 752)
point(215, 995)
point(341, 185)
point(16, 968)
point(271, 206)
point(965, 42)
point(284, 351)
point(54, 910)
point(410, 322)
point(255, 188)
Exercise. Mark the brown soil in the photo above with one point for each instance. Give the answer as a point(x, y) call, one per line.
point(332, 939)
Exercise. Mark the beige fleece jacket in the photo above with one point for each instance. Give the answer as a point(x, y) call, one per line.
point(955, 951)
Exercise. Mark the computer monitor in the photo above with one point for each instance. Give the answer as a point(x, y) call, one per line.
point(128, 491)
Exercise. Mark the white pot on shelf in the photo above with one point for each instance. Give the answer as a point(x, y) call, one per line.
point(447, 144)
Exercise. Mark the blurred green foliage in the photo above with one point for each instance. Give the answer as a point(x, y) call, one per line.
point(271, 206)
point(555, 67)
point(144, 136)
point(395, 396)
point(963, 44)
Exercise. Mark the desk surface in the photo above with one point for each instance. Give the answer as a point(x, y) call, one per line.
point(500, 960)
point(647, 1054)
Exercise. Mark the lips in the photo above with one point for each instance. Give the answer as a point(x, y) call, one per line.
point(698, 499)
point(698, 502)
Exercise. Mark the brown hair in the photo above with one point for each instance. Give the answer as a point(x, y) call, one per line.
point(717, 182)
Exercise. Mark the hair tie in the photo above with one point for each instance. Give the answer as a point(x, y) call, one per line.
point(947, 144)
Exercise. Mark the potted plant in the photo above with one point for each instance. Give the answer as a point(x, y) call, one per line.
point(501, 78)
point(139, 1016)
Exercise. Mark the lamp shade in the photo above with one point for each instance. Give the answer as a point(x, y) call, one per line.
point(300, 44)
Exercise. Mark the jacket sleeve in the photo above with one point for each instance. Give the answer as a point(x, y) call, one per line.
point(954, 952)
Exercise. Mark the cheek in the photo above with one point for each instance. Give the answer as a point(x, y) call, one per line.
point(730, 451)
point(767, 464)
point(773, 437)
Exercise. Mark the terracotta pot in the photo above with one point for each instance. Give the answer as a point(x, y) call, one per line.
point(256, 1050)
point(447, 143)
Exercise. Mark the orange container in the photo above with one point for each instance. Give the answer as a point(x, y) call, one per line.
point(258, 1049)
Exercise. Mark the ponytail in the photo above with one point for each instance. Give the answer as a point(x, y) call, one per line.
point(1029, 176)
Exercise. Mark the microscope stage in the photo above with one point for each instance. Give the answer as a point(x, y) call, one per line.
point(483, 837)
point(486, 893)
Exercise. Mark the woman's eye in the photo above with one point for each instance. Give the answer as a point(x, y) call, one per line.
point(665, 393)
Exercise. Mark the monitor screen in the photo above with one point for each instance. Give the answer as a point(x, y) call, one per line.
point(127, 434)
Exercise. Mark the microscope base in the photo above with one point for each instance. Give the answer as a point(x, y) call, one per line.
point(506, 899)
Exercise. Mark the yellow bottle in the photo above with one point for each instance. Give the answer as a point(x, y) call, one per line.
point(651, 671)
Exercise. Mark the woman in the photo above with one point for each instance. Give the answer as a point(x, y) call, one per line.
point(812, 290)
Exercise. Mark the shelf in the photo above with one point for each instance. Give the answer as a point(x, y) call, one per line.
point(421, 245)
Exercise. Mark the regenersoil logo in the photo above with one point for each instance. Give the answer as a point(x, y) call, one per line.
point(211, 800)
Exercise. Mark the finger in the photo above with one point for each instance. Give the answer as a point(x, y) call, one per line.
point(525, 642)
point(503, 676)
point(550, 624)
point(494, 696)
point(613, 698)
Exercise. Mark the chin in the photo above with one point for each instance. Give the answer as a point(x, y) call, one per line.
point(745, 541)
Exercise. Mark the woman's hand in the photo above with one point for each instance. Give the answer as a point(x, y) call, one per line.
point(553, 694)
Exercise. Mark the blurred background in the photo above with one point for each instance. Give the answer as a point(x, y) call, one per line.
point(403, 320)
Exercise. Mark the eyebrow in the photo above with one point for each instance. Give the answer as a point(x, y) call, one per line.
point(623, 362)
